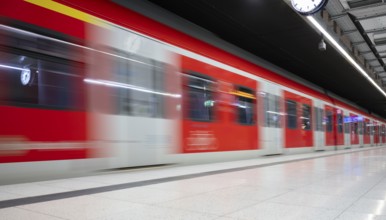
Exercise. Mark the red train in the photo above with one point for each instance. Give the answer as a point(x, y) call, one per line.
point(95, 85)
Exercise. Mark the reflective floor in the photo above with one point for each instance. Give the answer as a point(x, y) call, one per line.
point(340, 186)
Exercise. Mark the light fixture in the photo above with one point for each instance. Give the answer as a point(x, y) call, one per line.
point(344, 53)
point(322, 45)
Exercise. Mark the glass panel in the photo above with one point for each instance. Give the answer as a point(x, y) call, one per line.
point(354, 127)
point(360, 127)
point(272, 110)
point(245, 106)
point(329, 122)
point(143, 81)
point(306, 117)
point(347, 124)
point(200, 98)
point(320, 119)
point(291, 114)
point(340, 123)
point(36, 80)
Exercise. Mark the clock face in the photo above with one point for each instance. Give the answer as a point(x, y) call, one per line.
point(308, 7)
point(25, 76)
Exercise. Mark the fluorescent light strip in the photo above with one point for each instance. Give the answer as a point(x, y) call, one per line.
point(128, 86)
point(10, 67)
point(344, 53)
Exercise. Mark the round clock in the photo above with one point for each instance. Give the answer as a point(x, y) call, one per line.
point(25, 76)
point(308, 7)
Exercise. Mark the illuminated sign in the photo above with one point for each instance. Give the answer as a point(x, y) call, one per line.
point(349, 119)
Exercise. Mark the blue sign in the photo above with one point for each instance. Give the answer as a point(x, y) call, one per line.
point(349, 119)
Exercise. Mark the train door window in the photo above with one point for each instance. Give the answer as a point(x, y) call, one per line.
point(318, 119)
point(141, 93)
point(347, 124)
point(354, 127)
point(291, 108)
point(340, 123)
point(360, 127)
point(306, 117)
point(367, 128)
point(272, 110)
point(200, 105)
point(329, 122)
point(371, 129)
point(245, 100)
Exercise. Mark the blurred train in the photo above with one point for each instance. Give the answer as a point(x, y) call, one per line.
point(90, 85)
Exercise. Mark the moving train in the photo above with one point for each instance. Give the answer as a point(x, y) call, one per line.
point(92, 85)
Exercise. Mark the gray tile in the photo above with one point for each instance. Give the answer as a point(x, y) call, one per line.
point(83, 207)
point(275, 211)
point(209, 204)
point(21, 214)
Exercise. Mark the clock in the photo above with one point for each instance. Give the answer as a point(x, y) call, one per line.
point(25, 76)
point(308, 7)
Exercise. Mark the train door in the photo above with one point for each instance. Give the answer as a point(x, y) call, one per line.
point(339, 127)
point(330, 134)
point(130, 98)
point(366, 132)
point(359, 119)
point(372, 132)
point(271, 118)
point(354, 137)
point(319, 140)
point(383, 134)
point(346, 122)
point(376, 133)
point(298, 130)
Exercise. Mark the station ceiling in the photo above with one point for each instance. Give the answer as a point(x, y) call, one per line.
point(273, 31)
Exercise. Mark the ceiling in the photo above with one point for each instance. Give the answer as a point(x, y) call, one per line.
point(273, 31)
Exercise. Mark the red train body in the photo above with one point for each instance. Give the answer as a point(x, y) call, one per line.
point(98, 94)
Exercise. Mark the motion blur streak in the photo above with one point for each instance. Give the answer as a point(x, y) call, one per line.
point(127, 86)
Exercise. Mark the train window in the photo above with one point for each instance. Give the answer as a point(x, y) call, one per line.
point(143, 84)
point(37, 80)
point(347, 124)
point(291, 107)
point(340, 123)
point(306, 117)
point(329, 121)
point(245, 105)
point(200, 106)
point(272, 110)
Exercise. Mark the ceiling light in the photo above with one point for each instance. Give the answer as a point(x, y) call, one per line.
point(344, 53)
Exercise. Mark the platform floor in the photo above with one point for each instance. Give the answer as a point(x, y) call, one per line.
point(348, 184)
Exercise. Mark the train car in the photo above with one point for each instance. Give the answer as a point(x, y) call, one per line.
point(93, 85)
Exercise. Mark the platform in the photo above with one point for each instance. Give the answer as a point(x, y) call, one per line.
point(345, 184)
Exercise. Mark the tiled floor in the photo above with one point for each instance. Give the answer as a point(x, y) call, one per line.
point(340, 186)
